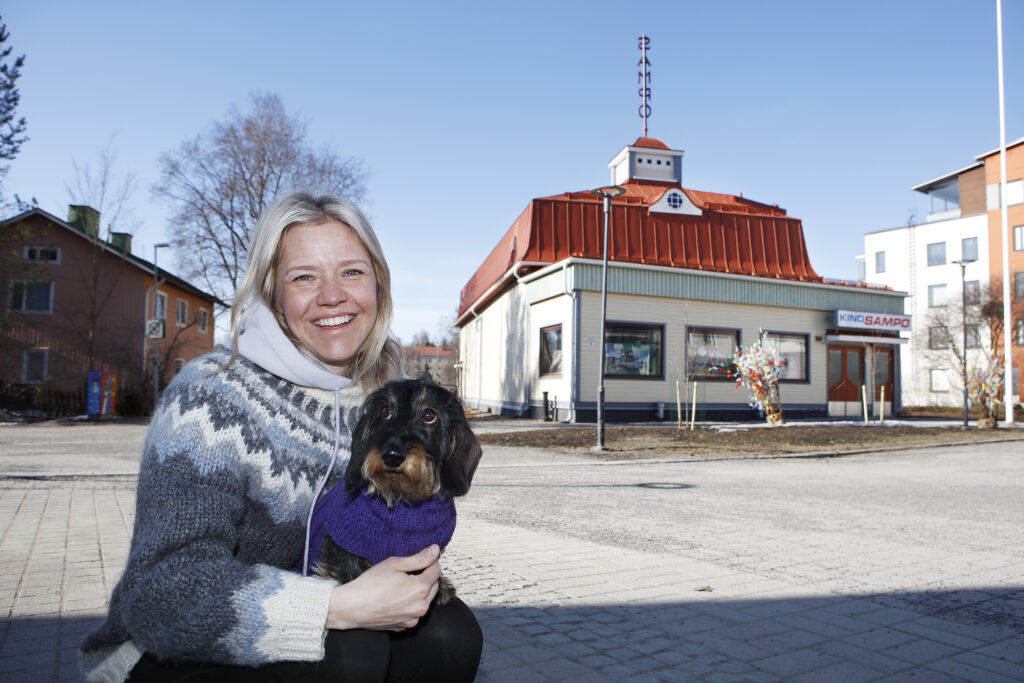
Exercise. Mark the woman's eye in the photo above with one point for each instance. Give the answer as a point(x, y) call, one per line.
point(353, 272)
point(429, 417)
point(386, 413)
point(304, 276)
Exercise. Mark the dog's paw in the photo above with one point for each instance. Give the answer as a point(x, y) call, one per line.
point(445, 591)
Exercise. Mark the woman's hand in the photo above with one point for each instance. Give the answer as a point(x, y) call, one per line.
point(387, 597)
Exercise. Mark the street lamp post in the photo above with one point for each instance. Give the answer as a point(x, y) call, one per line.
point(155, 352)
point(606, 193)
point(963, 317)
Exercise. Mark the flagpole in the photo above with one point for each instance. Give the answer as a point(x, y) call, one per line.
point(1009, 397)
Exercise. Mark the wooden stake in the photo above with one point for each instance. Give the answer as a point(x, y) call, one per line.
point(679, 408)
point(693, 414)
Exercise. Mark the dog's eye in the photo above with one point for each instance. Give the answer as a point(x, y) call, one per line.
point(386, 413)
point(429, 417)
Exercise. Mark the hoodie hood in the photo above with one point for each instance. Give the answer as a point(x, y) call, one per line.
point(262, 341)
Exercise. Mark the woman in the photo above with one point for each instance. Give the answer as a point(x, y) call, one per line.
point(238, 449)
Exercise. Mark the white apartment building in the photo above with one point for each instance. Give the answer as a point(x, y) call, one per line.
point(964, 222)
point(922, 261)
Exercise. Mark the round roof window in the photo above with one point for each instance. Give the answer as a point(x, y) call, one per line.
point(675, 199)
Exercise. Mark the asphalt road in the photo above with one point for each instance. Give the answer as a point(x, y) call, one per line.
point(945, 499)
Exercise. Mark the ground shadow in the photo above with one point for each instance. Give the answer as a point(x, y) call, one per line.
point(975, 635)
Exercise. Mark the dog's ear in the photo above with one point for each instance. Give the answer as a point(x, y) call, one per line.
point(457, 474)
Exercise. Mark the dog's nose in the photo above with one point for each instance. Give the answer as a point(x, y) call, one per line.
point(393, 458)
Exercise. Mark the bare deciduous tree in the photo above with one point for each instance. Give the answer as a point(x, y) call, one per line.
point(99, 185)
point(219, 183)
point(984, 328)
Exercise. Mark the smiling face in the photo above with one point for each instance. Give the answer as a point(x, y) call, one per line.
point(326, 290)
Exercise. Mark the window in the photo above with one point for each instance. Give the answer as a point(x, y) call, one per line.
point(551, 350)
point(1018, 238)
point(792, 350)
point(26, 296)
point(181, 313)
point(161, 306)
point(879, 261)
point(936, 296)
point(1020, 331)
point(674, 199)
point(969, 249)
point(204, 320)
point(1014, 194)
point(34, 365)
point(42, 254)
point(179, 363)
point(939, 381)
point(937, 254)
point(709, 352)
point(973, 337)
point(972, 291)
point(1018, 285)
point(937, 338)
point(633, 350)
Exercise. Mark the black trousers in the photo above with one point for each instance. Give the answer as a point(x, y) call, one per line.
point(444, 647)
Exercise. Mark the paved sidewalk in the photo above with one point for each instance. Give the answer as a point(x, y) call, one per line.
point(905, 567)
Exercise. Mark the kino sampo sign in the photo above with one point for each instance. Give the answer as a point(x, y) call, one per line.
point(880, 322)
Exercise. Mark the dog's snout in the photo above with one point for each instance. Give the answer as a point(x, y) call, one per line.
point(393, 457)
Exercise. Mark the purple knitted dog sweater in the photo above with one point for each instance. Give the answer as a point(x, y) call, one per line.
point(365, 526)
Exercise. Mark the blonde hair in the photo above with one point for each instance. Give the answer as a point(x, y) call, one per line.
point(378, 358)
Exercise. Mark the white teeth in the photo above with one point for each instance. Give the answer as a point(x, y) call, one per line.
point(334, 322)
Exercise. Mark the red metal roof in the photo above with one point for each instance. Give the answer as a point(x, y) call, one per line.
point(732, 235)
point(653, 143)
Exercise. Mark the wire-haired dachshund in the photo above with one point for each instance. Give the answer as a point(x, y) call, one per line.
point(412, 453)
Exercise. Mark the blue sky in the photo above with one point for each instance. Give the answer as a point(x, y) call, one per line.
point(464, 111)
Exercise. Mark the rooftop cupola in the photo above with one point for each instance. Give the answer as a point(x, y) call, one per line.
point(647, 159)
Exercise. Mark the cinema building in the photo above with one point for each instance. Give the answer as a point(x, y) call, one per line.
point(691, 276)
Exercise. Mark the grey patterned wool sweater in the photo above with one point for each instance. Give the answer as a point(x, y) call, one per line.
point(229, 470)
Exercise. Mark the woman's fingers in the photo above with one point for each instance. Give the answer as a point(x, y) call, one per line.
point(391, 595)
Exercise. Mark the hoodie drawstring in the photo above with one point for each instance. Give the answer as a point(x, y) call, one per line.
point(327, 475)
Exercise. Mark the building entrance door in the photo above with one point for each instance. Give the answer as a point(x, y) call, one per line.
point(883, 379)
point(845, 376)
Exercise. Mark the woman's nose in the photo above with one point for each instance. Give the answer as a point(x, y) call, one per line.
point(331, 292)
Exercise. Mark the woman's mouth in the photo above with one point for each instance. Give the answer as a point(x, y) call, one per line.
point(335, 321)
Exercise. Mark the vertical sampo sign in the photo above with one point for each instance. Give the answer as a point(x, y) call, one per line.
point(880, 322)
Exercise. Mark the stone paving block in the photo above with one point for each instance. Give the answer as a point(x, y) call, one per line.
point(879, 640)
point(588, 677)
point(942, 631)
point(920, 652)
point(23, 658)
point(889, 616)
point(787, 640)
point(796, 662)
point(751, 630)
point(733, 648)
point(993, 664)
point(560, 668)
point(1010, 650)
point(844, 651)
point(847, 672)
point(965, 671)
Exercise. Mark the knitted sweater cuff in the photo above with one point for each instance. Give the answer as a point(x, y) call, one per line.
point(297, 619)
